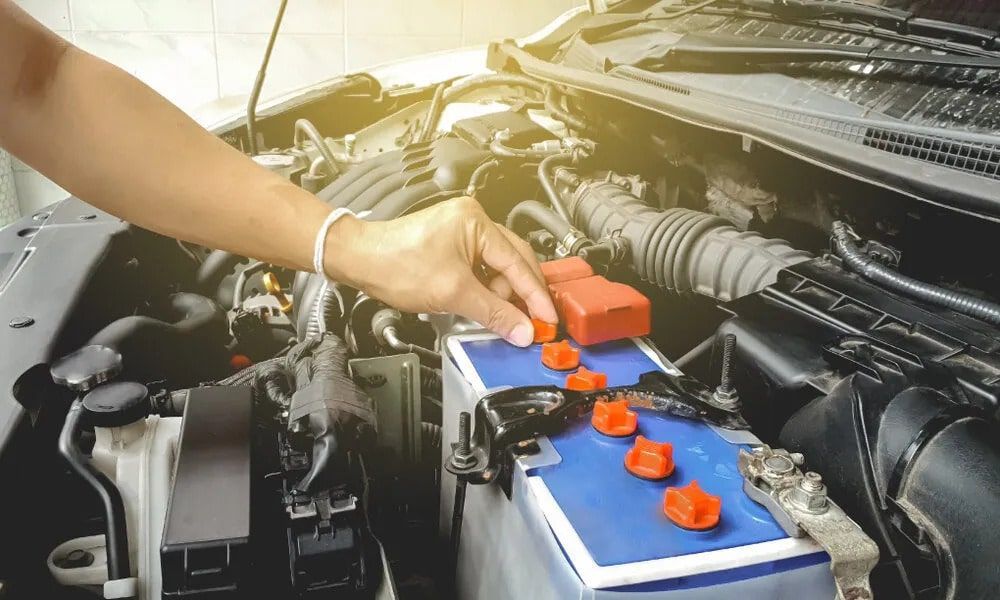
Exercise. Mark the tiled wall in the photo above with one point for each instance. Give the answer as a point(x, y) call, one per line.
point(197, 51)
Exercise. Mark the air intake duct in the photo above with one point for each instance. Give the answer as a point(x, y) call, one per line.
point(678, 249)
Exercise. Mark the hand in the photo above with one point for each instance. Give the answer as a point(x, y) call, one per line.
point(428, 261)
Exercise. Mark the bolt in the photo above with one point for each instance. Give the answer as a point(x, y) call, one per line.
point(462, 457)
point(809, 494)
point(812, 482)
point(349, 142)
point(778, 464)
point(21, 322)
point(464, 433)
point(726, 395)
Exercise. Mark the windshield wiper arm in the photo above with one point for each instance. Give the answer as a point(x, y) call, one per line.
point(707, 51)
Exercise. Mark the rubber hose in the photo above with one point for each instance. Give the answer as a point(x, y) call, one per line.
point(678, 249)
point(479, 174)
point(545, 178)
point(553, 104)
point(857, 261)
point(431, 435)
point(305, 127)
point(498, 148)
point(116, 530)
point(531, 211)
point(431, 382)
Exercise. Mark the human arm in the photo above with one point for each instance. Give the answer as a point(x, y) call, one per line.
point(115, 143)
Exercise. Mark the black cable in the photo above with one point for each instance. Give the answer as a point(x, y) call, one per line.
point(545, 178)
point(855, 260)
point(258, 84)
point(116, 531)
point(502, 150)
point(553, 104)
point(538, 214)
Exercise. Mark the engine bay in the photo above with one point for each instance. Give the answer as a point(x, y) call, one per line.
point(182, 422)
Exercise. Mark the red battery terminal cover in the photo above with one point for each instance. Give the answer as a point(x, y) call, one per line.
point(614, 419)
point(585, 380)
point(566, 269)
point(596, 310)
point(544, 332)
point(690, 507)
point(649, 459)
point(560, 356)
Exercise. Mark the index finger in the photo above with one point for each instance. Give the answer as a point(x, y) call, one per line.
point(500, 254)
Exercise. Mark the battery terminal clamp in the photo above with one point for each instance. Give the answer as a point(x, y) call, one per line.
point(505, 418)
point(799, 503)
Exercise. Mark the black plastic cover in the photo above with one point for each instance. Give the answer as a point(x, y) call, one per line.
point(205, 551)
point(480, 131)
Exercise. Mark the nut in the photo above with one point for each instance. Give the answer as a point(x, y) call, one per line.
point(809, 494)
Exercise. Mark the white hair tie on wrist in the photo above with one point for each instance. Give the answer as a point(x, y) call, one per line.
point(319, 248)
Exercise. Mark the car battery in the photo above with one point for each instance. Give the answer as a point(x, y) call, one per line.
point(579, 524)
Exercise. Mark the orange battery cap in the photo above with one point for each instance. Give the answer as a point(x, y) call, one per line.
point(596, 310)
point(565, 269)
point(585, 380)
point(560, 356)
point(614, 418)
point(238, 362)
point(691, 507)
point(544, 332)
point(649, 459)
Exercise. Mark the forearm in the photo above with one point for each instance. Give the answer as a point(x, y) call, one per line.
point(127, 150)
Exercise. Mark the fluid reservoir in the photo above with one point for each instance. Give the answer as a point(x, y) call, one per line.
point(639, 504)
point(137, 453)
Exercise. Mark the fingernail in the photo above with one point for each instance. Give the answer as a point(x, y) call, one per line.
point(521, 335)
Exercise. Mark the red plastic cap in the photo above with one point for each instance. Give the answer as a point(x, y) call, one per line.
point(649, 459)
point(238, 362)
point(544, 332)
point(560, 356)
point(585, 380)
point(566, 269)
point(596, 310)
point(614, 418)
point(691, 507)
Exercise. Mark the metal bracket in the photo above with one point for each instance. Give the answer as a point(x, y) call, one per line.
point(504, 418)
point(800, 504)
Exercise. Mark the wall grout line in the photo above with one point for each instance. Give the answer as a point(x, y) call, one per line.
point(215, 49)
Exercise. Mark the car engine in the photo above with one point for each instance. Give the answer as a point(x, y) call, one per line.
point(180, 422)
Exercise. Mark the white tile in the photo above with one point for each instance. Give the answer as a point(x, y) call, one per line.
point(35, 191)
point(489, 20)
point(180, 66)
point(367, 51)
point(142, 15)
point(297, 60)
point(54, 14)
point(301, 16)
point(404, 17)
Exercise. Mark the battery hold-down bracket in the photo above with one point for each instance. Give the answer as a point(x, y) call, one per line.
point(799, 503)
point(507, 421)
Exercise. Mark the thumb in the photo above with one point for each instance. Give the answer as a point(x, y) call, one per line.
point(496, 314)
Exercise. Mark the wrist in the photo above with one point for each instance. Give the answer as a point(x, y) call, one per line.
point(344, 241)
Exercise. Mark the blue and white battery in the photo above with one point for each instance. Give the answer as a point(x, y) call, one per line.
point(578, 525)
